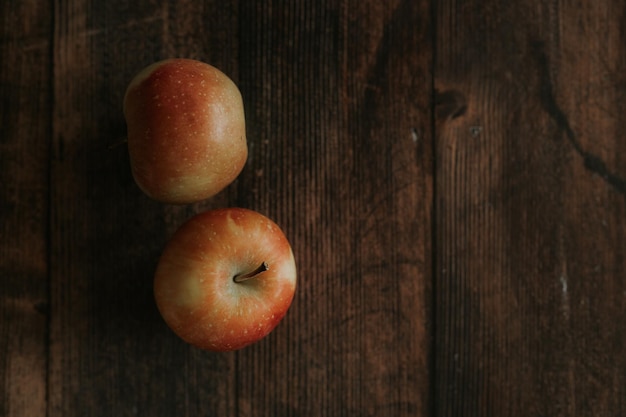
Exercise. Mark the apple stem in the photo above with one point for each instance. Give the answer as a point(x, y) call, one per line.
point(244, 277)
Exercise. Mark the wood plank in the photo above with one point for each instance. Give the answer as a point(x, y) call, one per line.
point(338, 96)
point(111, 353)
point(24, 147)
point(530, 204)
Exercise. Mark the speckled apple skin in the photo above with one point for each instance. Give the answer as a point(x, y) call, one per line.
point(186, 130)
point(194, 284)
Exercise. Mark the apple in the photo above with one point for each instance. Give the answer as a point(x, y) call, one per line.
point(186, 130)
point(225, 279)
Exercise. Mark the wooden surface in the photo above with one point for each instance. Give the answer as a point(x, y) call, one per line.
point(452, 177)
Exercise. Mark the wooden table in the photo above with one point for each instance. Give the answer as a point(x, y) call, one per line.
point(452, 176)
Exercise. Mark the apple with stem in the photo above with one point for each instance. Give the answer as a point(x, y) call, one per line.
point(186, 130)
point(225, 279)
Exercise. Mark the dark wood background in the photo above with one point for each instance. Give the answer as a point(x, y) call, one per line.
point(451, 174)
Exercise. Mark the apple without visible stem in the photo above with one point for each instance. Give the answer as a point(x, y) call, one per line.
point(186, 130)
point(225, 279)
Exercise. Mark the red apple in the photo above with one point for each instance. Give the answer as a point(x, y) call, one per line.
point(186, 130)
point(225, 279)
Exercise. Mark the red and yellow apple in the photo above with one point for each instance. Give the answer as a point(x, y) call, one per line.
point(186, 130)
point(225, 279)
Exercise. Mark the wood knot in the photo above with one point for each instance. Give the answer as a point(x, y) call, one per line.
point(450, 104)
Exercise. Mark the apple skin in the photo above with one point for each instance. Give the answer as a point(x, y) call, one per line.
point(195, 288)
point(186, 130)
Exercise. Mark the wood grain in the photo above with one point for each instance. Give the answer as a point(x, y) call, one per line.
point(24, 148)
point(530, 209)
